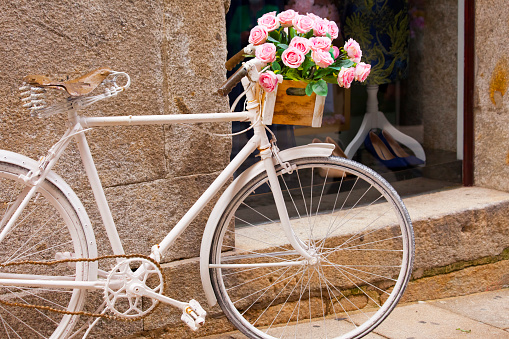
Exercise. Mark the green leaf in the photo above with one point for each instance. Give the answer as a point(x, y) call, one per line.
point(309, 89)
point(331, 52)
point(284, 37)
point(271, 39)
point(328, 36)
point(283, 46)
point(331, 79)
point(306, 65)
point(293, 74)
point(323, 72)
point(291, 32)
point(275, 35)
point(276, 66)
point(342, 63)
point(320, 87)
point(309, 34)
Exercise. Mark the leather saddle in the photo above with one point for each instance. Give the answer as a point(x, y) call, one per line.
point(77, 87)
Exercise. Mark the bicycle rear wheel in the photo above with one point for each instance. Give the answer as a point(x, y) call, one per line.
point(354, 224)
point(48, 228)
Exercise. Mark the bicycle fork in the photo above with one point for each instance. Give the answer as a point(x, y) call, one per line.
point(267, 153)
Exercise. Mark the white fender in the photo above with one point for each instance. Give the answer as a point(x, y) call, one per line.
point(306, 151)
point(55, 179)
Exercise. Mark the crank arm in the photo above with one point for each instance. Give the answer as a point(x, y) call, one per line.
point(193, 315)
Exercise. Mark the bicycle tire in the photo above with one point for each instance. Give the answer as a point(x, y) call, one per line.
point(364, 250)
point(48, 225)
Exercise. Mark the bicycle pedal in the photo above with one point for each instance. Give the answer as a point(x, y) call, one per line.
point(196, 307)
point(194, 315)
point(193, 324)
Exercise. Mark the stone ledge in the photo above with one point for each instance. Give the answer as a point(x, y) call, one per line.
point(462, 241)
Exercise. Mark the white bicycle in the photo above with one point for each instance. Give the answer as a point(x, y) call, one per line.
point(302, 244)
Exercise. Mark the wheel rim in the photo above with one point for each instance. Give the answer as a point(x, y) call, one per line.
point(345, 293)
point(46, 227)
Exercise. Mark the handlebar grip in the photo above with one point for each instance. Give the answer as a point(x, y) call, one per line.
point(232, 81)
point(234, 60)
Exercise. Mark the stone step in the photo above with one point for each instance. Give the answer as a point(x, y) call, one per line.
point(462, 247)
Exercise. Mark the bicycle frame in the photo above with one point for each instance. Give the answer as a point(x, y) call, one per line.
point(79, 124)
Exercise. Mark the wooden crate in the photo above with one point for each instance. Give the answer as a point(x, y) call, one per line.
point(289, 105)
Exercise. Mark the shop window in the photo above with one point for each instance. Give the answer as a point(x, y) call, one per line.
point(412, 46)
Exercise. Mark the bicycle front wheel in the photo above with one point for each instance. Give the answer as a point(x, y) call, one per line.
point(47, 229)
point(352, 222)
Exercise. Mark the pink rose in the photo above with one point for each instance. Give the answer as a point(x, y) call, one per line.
point(336, 51)
point(286, 17)
point(268, 81)
point(258, 35)
point(302, 44)
point(269, 21)
point(322, 58)
point(292, 57)
point(266, 52)
point(362, 71)
point(320, 43)
point(333, 29)
point(353, 49)
point(314, 17)
point(302, 23)
point(320, 27)
point(346, 76)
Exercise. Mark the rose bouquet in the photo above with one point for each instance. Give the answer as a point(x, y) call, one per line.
point(299, 47)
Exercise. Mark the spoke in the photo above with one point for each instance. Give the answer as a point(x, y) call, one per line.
point(348, 213)
point(353, 237)
point(30, 238)
point(295, 308)
point(358, 247)
point(258, 254)
point(357, 286)
point(354, 269)
point(39, 297)
point(45, 250)
point(261, 276)
point(340, 209)
point(302, 193)
point(291, 197)
point(311, 204)
point(282, 306)
point(256, 211)
point(19, 297)
point(334, 208)
point(21, 321)
point(258, 239)
point(21, 221)
point(344, 296)
point(373, 242)
point(266, 289)
point(5, 328)
point(321, 299)
point(329, 291)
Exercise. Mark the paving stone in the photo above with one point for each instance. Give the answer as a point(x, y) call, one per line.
point(491, 308)
point(424, 321)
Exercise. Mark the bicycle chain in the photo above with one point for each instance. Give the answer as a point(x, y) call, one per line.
point(81, 313)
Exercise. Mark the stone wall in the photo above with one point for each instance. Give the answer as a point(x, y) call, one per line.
point(174, 52)
point(491, 101)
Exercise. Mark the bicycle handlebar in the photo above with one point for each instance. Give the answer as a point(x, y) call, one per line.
point(232, 81)
point(235, 60)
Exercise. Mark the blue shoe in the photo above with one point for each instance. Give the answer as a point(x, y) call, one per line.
point(398, 151)
point(378, 149)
